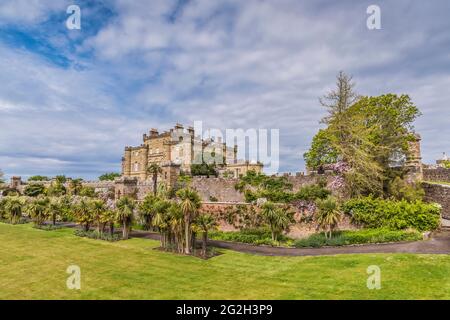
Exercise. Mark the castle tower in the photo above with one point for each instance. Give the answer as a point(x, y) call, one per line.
point(414, 160)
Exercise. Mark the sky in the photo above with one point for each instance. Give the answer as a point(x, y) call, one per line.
point(71, 100)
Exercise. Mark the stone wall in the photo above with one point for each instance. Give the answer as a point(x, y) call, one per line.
point(300, 229)
point(440, 194)
point(438, 174)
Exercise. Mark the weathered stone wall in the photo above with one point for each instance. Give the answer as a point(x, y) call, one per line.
point(300, 229)
point(438, 174)
point(220, 188)
point(440, 194)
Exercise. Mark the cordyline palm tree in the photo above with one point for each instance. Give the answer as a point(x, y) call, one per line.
point(154, 170)
point(98, 207)
point(83, 213)
point(161, 221)
point(75, 186)
point(108, 217)
point(190, 203)
point(55, 209)
point(176, 224)
point(204, 223)
point(147, 210)
point(125, 212)
point(38, 210)
point(328, 215)
point(13, 208)
point(278, 218)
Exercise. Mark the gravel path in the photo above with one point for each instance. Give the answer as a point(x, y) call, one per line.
point(438, 244)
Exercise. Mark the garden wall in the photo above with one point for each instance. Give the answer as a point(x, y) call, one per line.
point(438, 174)
point(440, 194)
point(300, 229)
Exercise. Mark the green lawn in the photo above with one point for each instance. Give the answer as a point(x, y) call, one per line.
point(33, 266)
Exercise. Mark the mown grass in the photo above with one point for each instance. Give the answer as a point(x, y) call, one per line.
point(33, 265)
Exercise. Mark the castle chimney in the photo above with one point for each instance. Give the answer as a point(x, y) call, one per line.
point(154, 132)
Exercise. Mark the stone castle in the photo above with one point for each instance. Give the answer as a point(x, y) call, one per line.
point(176, 150)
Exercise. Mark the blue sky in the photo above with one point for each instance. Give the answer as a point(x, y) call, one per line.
point(70, 100)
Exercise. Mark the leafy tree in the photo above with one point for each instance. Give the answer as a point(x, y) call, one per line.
point(109, 217)
point(10, 192)
point(38, 178)
point(161, 220)
point(13, 208)
point(75, 186)
point(98, 208)
point(154, 170)
point(204, 169)
point(38, 210)
point(125, 212)
point(328, 215)
point(56, 189)
point(368, 134)
point(87, 191)
point(2, 181)
point(446, 164)
point(109, 176)
point(204, 223)
point(55, 209)
point(190, 204)
point(278, 218)
point(147, 210)
point(83, 213)
point(400, 189)
point(34, 190)
point(61, 179)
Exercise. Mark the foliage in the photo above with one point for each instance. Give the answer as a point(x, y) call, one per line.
point(322, 151)
point(61, 179)
point(87, 191)
point(242, 216)
point(369, 134)
point(278, 218)
point(34, 190)
point(376, 213)
point(125, 213)
point(83, 213)
point(147, 210)
point(203, 224)
point(213, 199)
point(204, 169)
point(10, 192)
point(446, 164)
point(75, 186)
point(1, 177)
point(400, 189)
point(13, 207)
point(109, 176)
point(97, 235)
point(259, 236)
point(342, 238)
point(328, 215)
point(38, 178)
point(56, 189)
point(38, 210)
point(155, 170)
point(189, 204)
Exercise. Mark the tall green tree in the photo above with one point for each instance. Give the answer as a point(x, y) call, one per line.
point(205, 223)
point(190, 204)
point(278, 218)
point(125, 214)
point(154, 170)
point(38, 210)
point(13, 208)
point(109, 176)
point(328, 215)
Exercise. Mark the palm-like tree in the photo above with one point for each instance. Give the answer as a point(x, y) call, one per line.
point(190, 203)
point(13, 208)
point(98, 207)
point(328, 215)
point(147, 210)
point(154, 170)
point(38, 210)
point(75, 186)
point(125, 212)
point(83, 213)
point(278, 218)
point(109, 216)
point(55, 209)
point(161, 221)
point(203, 224)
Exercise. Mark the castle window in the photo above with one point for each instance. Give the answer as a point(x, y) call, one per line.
point(136, 167)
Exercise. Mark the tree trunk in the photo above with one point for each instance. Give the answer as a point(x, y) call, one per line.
point(111, 228)
point(205, 243)
point(86, 227)
point(187, 236)
point(125, 231)
point(54, 219)
point(155, 183)
point(273, 235)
